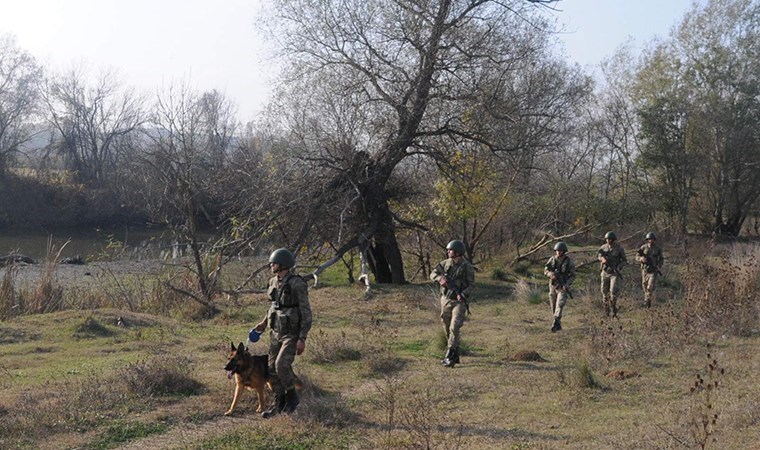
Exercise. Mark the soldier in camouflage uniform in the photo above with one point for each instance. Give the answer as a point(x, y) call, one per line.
point(456, 277)
point(612, 257)
point(289, 318)
point(651, 259)
point(561, 272)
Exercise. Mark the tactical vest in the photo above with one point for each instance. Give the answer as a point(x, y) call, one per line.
point(285, 316)
point(283, 297)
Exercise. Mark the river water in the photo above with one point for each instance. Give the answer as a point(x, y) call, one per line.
point(90, 243)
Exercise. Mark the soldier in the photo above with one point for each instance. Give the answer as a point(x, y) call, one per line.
point(612, 257)
point(456, 277)
point(289, 318)
point(561, 272)
point(651, 259)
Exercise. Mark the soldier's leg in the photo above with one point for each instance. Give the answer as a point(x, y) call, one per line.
point(605, 287)
point(457, 312)
point(552, 298)
point(284, 363)
point(446, 316)
point(561, 300)
point(284, 366)
point(274, 352)
point(649, 285)
point(644, 288)
point(457, 320)
point(277, 387)
point(614, 293)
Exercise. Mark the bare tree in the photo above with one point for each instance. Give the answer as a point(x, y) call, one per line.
point(409, 73)
point(94, 120)
point(20, 77)
point(185, 154)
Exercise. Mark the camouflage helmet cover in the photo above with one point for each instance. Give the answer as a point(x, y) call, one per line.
point(610, 235)
point(283, 257)
point(457, 246)
point(651, 235)
point(560, 246)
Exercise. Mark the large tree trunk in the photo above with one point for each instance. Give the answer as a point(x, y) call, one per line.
point(387, 264)
point(385, 256)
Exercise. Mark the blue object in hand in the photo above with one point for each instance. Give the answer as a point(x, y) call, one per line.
point(254, 335)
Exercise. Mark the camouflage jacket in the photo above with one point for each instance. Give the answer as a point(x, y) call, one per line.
point(563, 266)
point(615, 257)
point(653, 257)
point(462, 275)
point(290, 311)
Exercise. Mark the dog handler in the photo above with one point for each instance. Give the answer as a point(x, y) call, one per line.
point(289, 319)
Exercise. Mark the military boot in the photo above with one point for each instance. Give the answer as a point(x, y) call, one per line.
point(456, 356)
point(606, 308)
point(291, 401)
point(449, 355)
point(614, 309)
point(451, 358)
point(280, 402)
point(556, 326)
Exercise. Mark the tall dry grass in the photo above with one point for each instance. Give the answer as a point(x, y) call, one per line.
point(722, 294)
point(9, 299)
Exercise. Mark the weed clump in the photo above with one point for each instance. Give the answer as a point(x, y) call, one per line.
point(584, 376)
point(703, 410)
point(326, 349)
point(161, 375)
point(320, 407)
point(9, 299)
point(528, 293)
point(91, 328)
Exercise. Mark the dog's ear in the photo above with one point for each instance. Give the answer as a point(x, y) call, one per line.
point(241, 348)
point(232, 344)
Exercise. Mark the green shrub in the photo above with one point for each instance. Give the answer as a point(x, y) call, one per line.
point(584, 376)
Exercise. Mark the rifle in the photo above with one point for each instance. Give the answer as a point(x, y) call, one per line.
point(560, 282)
point(651, 267)
point(605, 266)
point(452, 292)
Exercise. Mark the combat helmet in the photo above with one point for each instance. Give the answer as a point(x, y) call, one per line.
point(457, 246)
point(283, 257)
point(650, 235)
point(561, 246)
point(610, 235)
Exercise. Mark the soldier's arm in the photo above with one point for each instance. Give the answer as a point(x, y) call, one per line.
point(300, 291)
point(547, 271)
point(271, 290)
point(437, 272)
point(570, 272)
point(469, 281)
point(640, 256)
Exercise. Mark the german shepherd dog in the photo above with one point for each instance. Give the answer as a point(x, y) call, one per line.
point(250, 371)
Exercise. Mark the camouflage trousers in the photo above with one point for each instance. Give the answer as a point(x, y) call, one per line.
point(452, 317)
point(282, 353)
point(648, 285)
point(557, 300)
point(610, 291)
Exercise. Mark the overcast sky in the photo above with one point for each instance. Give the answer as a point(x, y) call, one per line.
point(214, 45)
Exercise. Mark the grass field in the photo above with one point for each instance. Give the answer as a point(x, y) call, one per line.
point(652, 379)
